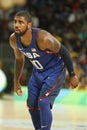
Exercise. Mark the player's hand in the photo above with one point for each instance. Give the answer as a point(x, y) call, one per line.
point(17, 89)
point(74, 81)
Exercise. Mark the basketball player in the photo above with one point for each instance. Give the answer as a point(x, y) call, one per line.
point(50, 60)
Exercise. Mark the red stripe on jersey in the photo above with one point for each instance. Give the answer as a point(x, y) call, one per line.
point(51, 90)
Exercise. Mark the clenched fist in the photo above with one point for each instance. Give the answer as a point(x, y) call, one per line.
point(74, 81)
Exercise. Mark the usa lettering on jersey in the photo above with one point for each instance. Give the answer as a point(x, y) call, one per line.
point(33, 60)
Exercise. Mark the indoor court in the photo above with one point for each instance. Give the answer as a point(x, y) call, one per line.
point(66, 20)
point(69, 113)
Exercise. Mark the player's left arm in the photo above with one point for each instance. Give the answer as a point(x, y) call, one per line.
point(47, 42)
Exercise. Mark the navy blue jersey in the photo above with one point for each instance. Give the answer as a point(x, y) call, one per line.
point(41, 60)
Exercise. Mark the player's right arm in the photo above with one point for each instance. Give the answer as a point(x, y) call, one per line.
point(46, 41)
point(18, 66)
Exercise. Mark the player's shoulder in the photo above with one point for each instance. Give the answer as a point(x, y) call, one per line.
point(12, 40)
point(43, 39)
point(12, 36)
point(43, 35)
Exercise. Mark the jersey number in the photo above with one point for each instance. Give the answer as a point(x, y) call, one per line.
point(37, 64)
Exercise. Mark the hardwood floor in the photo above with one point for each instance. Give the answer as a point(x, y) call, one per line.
point(14, 116)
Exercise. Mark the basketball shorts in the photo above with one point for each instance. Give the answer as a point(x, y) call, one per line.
point(45, 84)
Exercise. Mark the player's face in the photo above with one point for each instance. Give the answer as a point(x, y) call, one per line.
point(20, 25)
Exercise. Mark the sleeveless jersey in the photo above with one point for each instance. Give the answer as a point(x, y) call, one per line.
point(41, 60)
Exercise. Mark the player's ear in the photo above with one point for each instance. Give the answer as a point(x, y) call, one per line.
point(29, 25)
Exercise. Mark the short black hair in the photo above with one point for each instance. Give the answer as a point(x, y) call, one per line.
point(25, 14)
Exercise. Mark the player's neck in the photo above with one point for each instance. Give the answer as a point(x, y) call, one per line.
point(26, 38)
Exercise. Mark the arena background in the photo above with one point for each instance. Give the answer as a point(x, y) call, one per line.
point(67, 21)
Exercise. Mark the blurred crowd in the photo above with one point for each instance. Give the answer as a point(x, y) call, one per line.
point(65, 19)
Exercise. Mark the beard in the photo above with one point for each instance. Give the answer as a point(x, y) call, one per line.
point(21, 33)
